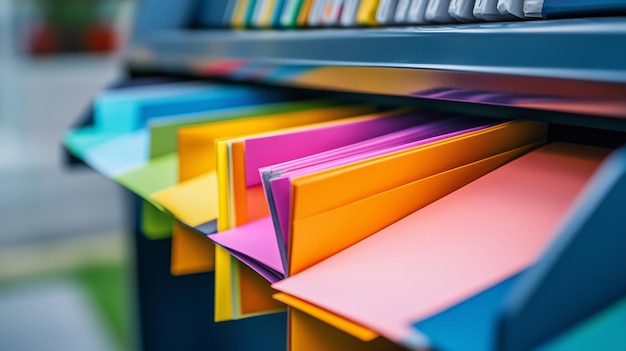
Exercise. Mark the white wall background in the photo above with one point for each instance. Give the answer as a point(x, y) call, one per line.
point(40, 198)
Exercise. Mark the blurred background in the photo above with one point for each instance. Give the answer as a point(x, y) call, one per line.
point(64, 256)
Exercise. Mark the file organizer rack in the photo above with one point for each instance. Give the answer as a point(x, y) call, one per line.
point(571, 73)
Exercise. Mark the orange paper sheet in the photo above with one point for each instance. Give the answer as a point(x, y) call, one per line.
point(191, 251)
point(307, 333)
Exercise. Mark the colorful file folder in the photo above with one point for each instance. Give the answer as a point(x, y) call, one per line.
point(163, 170)
point(241, 197)
point(254, 244)
point(163, 138)
point(324, 136)
point(311, 201)
point(196, 170)
point(182, 200)
point(264, 150)
point(163, 142)
point(244, 156)
point(458, 246)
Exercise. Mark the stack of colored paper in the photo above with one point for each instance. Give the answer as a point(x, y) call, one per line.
point(377, 228)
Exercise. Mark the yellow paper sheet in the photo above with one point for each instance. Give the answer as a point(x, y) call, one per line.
point(239, 291)
point(184, 202)
point(223, 186)
point(223, 284)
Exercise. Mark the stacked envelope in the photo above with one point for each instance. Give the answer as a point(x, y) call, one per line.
point(375, 228)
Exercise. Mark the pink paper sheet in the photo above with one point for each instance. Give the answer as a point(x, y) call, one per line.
point(281, 147)
point(416, 132)
point(255, 239)
point(453, 248)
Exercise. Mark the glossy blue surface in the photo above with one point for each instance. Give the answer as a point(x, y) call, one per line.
point(470, 325)
point(561, 8)
point(582, 272)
